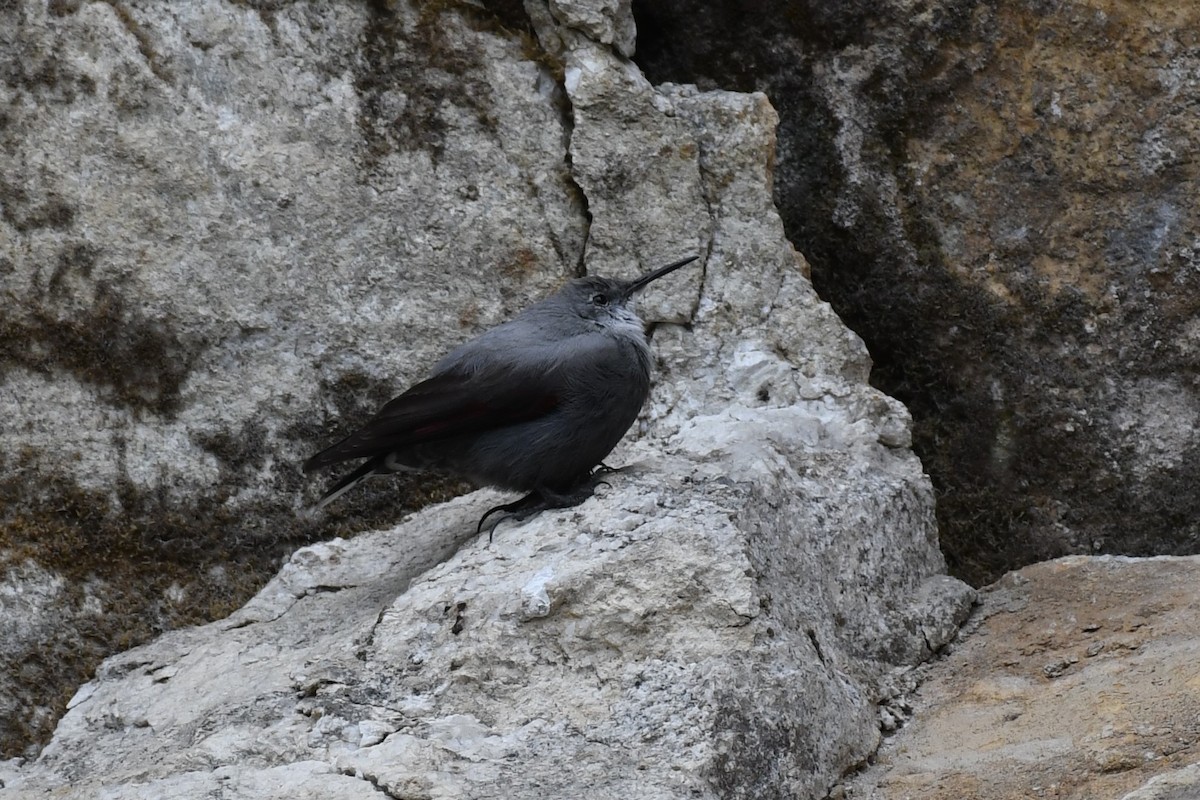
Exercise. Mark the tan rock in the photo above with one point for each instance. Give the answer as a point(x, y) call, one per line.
point(1077, 679)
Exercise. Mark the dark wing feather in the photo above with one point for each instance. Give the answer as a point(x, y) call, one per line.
point(446, 405)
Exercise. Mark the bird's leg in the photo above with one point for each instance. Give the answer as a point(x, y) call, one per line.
point(542, 499)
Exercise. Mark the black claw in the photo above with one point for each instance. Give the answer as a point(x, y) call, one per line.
point(488, 513)
point(520, 509)
point(543, 499)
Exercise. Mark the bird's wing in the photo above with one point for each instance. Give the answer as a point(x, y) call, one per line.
point(452, 403)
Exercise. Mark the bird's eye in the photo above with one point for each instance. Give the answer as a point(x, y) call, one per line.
point(600, 299)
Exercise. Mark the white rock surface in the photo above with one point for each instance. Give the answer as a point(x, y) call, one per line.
point(722, 621)
point(712, 626)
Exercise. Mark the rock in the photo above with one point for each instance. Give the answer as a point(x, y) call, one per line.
point(997, 198)
point(989, 721)
point(663, 640)
point(270, 274)
point(225, 239)
point(1179, 784)
point(722, 621)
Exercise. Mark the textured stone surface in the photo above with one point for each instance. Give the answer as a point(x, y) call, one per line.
point(226, 235)
point(997, 197)
point(1180, 784)
point(685, 635)
point(315, 202)
point(1077, 680)
point(260, 222)
point(730, 618)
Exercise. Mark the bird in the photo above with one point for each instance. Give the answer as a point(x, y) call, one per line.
point(533, 405)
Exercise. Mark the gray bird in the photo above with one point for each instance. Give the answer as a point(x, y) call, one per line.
point(532, 405)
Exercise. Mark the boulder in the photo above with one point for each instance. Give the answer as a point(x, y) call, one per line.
point(229, 233)
point(731, 617)
point(998, 197)
point(1075, 678)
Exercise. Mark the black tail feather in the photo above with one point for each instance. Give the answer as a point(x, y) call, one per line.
point(364, 471)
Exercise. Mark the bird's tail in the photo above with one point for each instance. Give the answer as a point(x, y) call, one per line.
point(370, 467)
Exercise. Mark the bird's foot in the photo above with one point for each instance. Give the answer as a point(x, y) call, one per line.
point(542, 499)
point(580, 492)
point(521, 509)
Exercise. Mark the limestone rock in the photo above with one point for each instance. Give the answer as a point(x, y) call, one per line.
point(662, 641)
point(1075, 679)
point(1179, 784)
point(724, 620)
point(998, 198)
point(227, 235)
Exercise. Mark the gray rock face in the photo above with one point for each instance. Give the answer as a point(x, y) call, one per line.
point(997, 197)
point(213, 205)
point(649, 644)
point(226, 236)
point(726, 620)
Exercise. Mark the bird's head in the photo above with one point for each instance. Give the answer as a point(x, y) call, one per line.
point(607, 301)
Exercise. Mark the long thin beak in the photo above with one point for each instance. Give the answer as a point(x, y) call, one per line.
point(641, 282)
